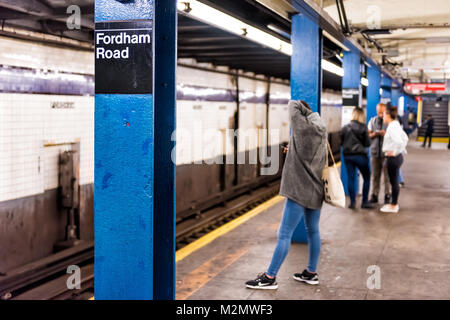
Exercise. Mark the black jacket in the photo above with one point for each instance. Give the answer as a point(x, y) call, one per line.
point(355, 138)
point(430, 126)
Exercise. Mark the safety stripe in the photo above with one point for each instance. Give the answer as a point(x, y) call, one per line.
point(203, 241)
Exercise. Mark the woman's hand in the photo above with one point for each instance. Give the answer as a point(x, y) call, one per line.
point(390, 153)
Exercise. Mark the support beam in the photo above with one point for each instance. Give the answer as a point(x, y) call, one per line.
point(306, 68)
point(306, 75)
point(135, 175)
point(386, 86)
point(395, 95)
point(165, 166)
point(373, 91)
point(351, 98)
point(33, 7)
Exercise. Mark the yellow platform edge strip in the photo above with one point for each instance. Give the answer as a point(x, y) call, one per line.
point(437, 140)
point(203, 241)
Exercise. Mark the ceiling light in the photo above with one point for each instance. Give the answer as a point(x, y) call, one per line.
point(331, 67)
point(278, 30)
point(226, 22)
point(365, 82)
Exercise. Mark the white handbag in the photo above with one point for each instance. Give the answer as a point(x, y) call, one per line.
point(333, 187)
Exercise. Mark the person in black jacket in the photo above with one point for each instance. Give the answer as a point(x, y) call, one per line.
point(429, 132)
point(355, 140)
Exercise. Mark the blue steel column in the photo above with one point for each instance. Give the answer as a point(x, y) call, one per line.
point(373, 91)
point(386, 85)
point(396, 93)
point(129, 131)
point(165, 167)
point(351, 80)
point(306, 75)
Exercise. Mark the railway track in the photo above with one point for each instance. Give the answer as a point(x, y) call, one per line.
point(47, 278)
point(205, 222)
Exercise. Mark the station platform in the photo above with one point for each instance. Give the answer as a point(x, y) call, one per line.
point(411, 248)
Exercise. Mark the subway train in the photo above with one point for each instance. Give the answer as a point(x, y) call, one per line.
point(47, 108)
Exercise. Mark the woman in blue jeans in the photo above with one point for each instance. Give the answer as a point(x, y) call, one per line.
point(355, 139)
point(302, 185)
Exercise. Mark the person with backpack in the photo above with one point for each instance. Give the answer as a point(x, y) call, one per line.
point(303, 187)
point(355, 140)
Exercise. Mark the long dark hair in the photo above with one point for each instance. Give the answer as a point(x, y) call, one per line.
point(305, 104)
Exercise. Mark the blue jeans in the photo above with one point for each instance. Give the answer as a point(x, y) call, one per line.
point(292, 215)
point(400, 177)
point(361, 162)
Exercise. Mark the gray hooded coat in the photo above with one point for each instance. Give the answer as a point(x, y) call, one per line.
point(301, 180)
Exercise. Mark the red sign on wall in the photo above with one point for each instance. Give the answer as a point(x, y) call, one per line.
point(425, 86)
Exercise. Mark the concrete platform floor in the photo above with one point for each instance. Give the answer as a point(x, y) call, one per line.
point(412, 248)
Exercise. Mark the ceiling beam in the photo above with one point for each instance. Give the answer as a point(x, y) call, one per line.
point(216, 46)
point(11, 12)
point(191, 39)
point(33, 7)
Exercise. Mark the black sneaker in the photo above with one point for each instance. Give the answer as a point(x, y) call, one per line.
point(262, 282)
point(374, 199)
point(308, 277)
point(367, 205)
point(387, 199)
point(352, 206)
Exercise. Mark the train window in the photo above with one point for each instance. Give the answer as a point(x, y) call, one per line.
point(222, 107)
point(197, 107)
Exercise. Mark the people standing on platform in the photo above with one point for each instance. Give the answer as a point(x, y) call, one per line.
point(302, 185)
point(429, 123)
point(377, 130)
point(394, 147)
point(355, 140)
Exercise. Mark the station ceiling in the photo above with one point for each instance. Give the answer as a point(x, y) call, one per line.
point(196, 39)
point(46, 16)
point(415, 34)
point(409, 37)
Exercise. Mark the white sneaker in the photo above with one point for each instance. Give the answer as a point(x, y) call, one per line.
point(387, 208)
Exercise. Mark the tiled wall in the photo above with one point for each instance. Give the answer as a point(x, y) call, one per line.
point(29, 125)
point(35, 128)
point(33, 55)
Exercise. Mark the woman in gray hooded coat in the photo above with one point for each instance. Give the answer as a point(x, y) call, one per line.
point(302, 185)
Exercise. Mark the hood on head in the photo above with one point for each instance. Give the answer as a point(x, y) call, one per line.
point(297, 105)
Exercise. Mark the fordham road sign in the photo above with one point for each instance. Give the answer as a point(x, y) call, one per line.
point(124, 57)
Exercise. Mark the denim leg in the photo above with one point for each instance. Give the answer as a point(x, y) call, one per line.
point(351, 172)
point(400, 177)
point(292, 214)
point(312, 218)
point(363, 166)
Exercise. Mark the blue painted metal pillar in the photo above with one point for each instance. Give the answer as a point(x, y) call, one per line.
point(351, 97)
point(396, 93)
point(134, 173)
point(373, 91)
point(306, 74)
point(386, 86)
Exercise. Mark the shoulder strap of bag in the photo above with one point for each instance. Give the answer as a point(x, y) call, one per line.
point(331, 153)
